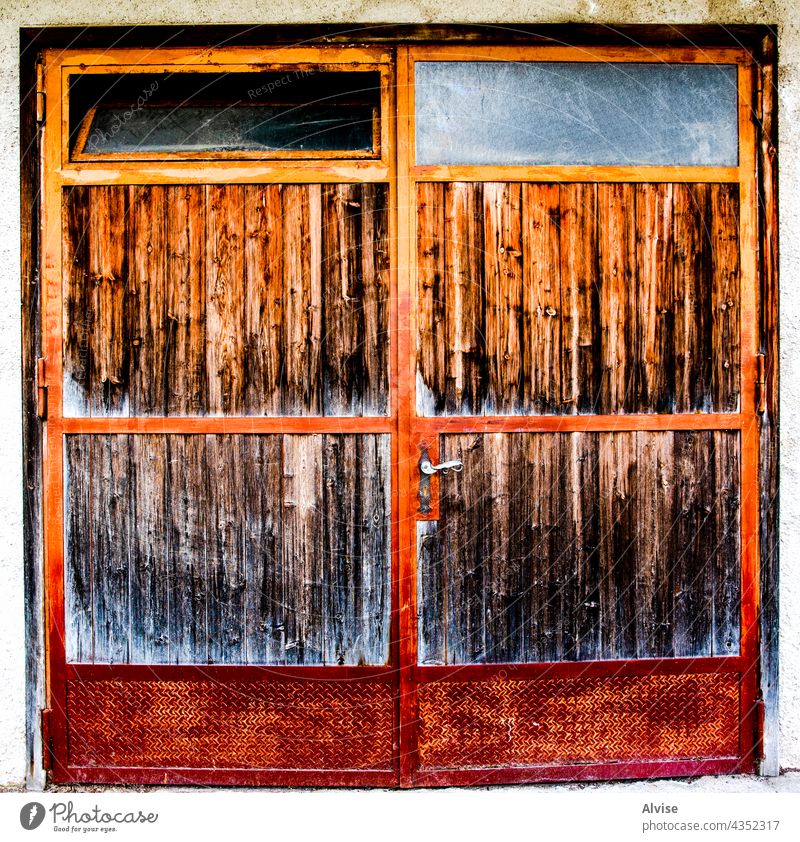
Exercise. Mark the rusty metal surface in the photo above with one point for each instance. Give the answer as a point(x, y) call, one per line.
point(244, 725)
point(482, 724)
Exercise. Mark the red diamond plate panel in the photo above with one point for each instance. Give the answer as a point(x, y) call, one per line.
point(480, 724)
point(251, 725)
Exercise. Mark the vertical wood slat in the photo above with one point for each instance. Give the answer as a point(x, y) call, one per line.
point(463, 282)
point(725, 297)
point(190, 300)
point(302, 295)
point(431, 606)
point(582, 481)
point(149, 577)
point(619, 297)
point(108, 257)
point(265, 601)
point(694, 485)
point(580, 365)
point(374, 267)
point(656, 549)
point(585, 546)
point(77, 308)
point(654, 288)
point(506, 354)
point(225, 567)
point(692, 293)
point(78, 574)
point(725, 631)
point(146, 302)
point(432, 369)
point(225, 297)
point(109, 535)
point(186, 530)
point(185, 355)
point(618, 562)
point(302, 547)
point(623, 297)
point(263, 316)
point(542, 296)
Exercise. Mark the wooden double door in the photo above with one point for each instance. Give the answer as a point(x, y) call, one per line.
point(252, 578)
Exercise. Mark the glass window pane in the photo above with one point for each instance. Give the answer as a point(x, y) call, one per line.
point(567, 113)
point(292, 111)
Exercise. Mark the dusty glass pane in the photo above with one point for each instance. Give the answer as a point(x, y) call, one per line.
point(235, 128)
point(295, 110)
point(564, 113)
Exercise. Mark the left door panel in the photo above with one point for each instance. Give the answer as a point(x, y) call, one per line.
point(219, 468)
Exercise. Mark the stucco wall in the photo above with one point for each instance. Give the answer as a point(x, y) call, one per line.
point(20, 13)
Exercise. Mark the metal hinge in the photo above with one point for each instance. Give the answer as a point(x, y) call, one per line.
point(761, 384)
point(40, 97)
point(41, 389)
point(47, 740)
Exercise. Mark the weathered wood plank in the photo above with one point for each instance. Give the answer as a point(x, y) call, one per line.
point(538, 550)
point(692, 293)
point(263, 326)
point(580, 313)
point(302, 308)
point(620, 303)
point(261, 476)
point(463, 301)
point(146, 299)
point(343, 348)
point(78, 314)
point(185, 353)
point(499, 599)
point(431, 360)
point(506, 356)
point(655, 544)
point(110, 539)
point(225, 297)
point(618, 527)
point(375, 526)
point(302, 548)
point(149, 592)
point(78, 573)
point(108, 284)
point(584, 470)
point(725, 564)
point(654, 289)
point(186, 477)
point(431, 607)
point(225, 563)
point(463, 526)
point(694, 541)
point(375, 269)
point(725, 297)
point(541, 297)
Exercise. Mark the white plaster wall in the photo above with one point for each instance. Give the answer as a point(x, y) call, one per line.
point(19, 13)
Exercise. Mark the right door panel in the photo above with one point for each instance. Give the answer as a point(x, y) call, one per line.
point(579, 582)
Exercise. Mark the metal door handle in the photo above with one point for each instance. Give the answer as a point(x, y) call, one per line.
point(426, 467)
point(426, 470)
